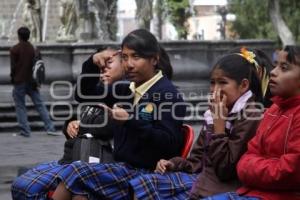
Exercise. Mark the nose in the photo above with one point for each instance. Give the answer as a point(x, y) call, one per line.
point(129, 66)
point(273, 72)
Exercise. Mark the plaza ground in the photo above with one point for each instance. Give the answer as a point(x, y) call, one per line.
point(17, 152)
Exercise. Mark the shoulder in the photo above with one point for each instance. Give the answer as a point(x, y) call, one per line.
point(164, 85)
point(273, 109)
point(166, 89)
point(14, 48)
point(253, 108)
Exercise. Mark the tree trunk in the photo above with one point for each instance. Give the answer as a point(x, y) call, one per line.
point(158, 18)
point(279, 24)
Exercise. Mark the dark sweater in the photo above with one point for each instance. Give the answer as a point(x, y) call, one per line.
point(21, 59)
point(148, 136)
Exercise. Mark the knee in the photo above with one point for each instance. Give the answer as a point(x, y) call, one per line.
point(24, 188)
point(18, 188)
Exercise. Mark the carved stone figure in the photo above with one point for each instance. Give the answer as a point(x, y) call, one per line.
point(69, 20)
point(32, 19)
point(103, 15)
point(144, 13)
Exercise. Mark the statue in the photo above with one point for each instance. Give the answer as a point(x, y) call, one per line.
point(68, 18)
point(32, 19)
point(144, 13)
point(97, 19)
point(103, 15)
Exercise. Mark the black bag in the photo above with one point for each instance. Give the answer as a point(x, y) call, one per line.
point(38, 69)
point(95, 121)
point(94, 143)
point(92, 150)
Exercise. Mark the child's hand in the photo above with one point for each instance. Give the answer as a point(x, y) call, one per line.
point(102, 57)
point(73, 128)
point(117, 113)
point(219, 111)
point(105, 78)
point(164, 165)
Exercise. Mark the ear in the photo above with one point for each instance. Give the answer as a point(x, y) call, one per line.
point(155, 60)
point(244, 86)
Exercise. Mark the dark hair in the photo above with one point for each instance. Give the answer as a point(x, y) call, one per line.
point(145, 45)
point(238, 68)
point(23, 33)
point(260, 56)
point(266, 64)
point(293, 54)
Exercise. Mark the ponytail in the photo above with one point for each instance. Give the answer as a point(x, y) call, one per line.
point(164, 63)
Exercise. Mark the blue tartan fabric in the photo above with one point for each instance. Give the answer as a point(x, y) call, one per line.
point(171, 186)
point(100, 181)
point(36, 182)
point(230, 196)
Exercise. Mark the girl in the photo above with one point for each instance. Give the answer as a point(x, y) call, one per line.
point(141, 137)
point(229, 123)
point(37, 181)
point(270, 167)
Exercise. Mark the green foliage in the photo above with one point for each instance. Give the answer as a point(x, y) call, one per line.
point(179, 12)
point(253, 21)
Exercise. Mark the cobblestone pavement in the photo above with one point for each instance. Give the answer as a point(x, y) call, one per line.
point(17, 152)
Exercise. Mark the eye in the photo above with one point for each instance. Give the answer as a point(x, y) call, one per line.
point(124, 57)
point(136, 56)
point(222, 82)
point(284, 67)
point(109, 61)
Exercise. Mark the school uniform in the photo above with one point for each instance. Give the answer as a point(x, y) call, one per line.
point(152, 132)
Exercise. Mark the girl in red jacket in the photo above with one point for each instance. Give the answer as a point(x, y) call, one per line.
point(270, 169)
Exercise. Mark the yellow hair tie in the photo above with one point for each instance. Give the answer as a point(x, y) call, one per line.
point(249, 56)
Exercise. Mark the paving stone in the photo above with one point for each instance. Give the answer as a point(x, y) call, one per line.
point(17, 152)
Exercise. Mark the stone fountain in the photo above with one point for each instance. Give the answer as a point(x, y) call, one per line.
point(72, 30)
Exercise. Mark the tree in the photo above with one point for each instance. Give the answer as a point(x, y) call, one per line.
point(179, 12)
point(279, 24)
point(253, 19)
point(160, 13)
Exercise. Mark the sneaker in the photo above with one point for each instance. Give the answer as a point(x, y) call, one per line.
point(54, 133)
point(24, 134)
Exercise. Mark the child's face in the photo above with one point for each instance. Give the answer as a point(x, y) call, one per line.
point(285, 77)
point(139, 70)
point(228, 87)
point(113, 70)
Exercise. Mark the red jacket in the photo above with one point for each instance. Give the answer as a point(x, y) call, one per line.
point(270, 169)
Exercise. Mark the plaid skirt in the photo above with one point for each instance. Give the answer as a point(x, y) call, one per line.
point(36, 182)
point(171, 186)
point(230, 196)
point(100, 181)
